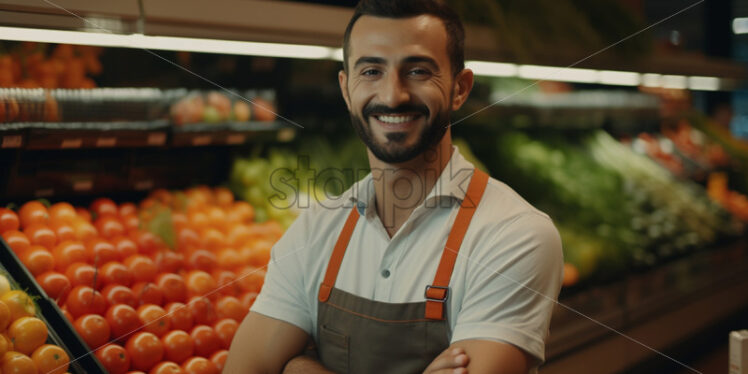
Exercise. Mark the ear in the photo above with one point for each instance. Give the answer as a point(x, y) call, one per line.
point(343, 82)
point(463, 86)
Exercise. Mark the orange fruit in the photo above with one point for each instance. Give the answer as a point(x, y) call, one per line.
point(62, 212)
point(4, 345)
point(4, 316)
point(8, 220)
point(571, 275)
point(27, 334)
point(231, 307)
point(38, 260)
point(41, 234)
point(224, 197)
point(51, 359)
point(19, 303)
point(17, 363)
point(17, 241)
point(199, 283)
point(33, 212)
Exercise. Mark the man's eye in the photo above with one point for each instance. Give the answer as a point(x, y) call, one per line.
point(419, 72)
point(370, 72)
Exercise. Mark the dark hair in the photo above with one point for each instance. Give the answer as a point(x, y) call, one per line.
point(413, 8)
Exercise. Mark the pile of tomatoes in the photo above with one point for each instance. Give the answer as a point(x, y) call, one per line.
point(140, 304)
point(23, 348)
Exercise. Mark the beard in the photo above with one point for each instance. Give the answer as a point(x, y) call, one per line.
point(429, 137)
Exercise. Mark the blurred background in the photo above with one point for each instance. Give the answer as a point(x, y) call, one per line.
point(179, 115)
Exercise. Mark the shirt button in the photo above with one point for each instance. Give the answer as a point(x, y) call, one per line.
point(385, 273)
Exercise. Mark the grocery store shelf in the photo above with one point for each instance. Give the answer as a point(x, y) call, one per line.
point(657, 308)
point(312, 24)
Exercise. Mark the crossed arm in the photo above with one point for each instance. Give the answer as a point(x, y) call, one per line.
point(263, 345)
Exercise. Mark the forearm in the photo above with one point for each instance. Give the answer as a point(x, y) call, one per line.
point(305, 364)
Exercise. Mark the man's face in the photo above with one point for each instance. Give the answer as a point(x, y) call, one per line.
point(399, 85)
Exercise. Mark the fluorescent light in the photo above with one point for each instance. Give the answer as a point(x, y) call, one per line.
point(337, 54)
point(620, 78)
point(704, 83)
point(652, 80)
point(557, 74)
point(168, 43)
point(740, 25)
point(492, 69)
point(678, 82)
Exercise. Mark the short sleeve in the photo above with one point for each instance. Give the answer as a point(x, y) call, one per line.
point(512, 285)
point(282, 296)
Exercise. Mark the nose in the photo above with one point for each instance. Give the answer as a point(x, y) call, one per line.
point(394, 91)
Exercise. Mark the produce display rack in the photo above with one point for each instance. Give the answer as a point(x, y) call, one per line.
point(73, 159)
point(662, 306)
point(61, 331)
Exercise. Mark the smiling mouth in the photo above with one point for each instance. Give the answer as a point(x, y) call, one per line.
point(396, 122)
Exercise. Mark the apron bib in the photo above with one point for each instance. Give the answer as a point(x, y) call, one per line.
point(358, 335)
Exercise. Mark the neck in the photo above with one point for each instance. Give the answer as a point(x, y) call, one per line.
point(400, 187)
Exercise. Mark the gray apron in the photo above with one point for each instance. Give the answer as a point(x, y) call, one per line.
point(358, 335)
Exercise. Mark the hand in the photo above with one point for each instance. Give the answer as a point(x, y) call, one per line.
point(451, 361)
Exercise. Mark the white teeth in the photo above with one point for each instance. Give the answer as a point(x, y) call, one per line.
point(396, 119)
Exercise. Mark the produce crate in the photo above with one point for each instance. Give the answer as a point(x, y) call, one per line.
point(61, 331)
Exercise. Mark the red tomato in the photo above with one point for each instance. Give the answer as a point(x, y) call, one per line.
point(166, 367)
point(231, 307)
point(63, 230)
point(148, 293)
point(219, 359)
point(115, 273)
point(143, 269)
point(101, 251)
point(33, 212)
point(178, 346)
point(188, 238)
point(41, 234)
point(82, 274)
point(173, 286)
point(38, 260)
point(202, 310)
point(127, 208)
point(228, 258)
point(62, 212)
point(130, 221)
point(118, 294)
point(154, 319)
point(251, 279)
point(85, 300)
point(93, 329)
point(83, 214)
point(248, 299)
point(227, 283)
point(103, 206)
point(169, 261)
point(145, 350)
point(202, 259)
point(123, 320)
point(180, 316)
point(8, 220)
point(199, 283)
point(206, 340)
point(114, 358)
point(199, 365)
point(226, 329)
point(125, 246)
point(147, 241)
point(69, 252)
point(54, 284)
point(17, 241)
point(109, 227)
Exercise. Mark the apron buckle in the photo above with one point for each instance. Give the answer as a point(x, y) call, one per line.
point(439, 293)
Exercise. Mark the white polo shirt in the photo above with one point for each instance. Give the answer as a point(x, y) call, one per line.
point(505, 281)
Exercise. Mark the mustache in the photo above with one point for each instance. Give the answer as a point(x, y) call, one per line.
point(404, 108)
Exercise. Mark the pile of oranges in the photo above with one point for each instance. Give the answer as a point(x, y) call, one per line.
point(164, 300)
point(22, 342)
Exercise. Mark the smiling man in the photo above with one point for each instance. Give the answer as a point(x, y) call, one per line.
point(425, 265)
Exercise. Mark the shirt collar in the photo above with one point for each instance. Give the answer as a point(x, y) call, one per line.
point(451, 184)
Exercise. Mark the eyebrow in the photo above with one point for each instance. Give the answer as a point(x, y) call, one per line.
point(408, 60)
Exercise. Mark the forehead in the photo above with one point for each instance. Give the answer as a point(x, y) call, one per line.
point(398, 37)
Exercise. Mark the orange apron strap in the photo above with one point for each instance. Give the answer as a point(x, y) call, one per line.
point(438, 291)
point(337, 256)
